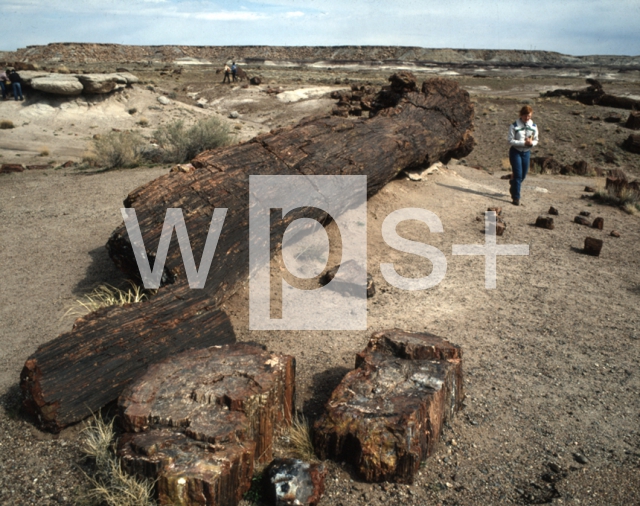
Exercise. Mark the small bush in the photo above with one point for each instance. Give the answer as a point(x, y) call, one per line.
point(143, 122)
point(173, 95)
point(5, 124)
point(44, 151)
point(105, 296)
point(627, 199)
point(118, 149)
point(180, 144)
point(133, 110)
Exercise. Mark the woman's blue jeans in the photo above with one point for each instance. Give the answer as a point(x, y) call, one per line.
point(519, 166)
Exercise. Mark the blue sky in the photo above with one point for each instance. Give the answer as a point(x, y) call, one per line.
point(577, 27)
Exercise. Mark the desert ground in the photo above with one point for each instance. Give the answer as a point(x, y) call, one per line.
point(551, 355)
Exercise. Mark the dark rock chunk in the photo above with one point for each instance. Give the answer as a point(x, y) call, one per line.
point(581, 220)
point(589, 189)
point(592, 246)
point(632, 143)
point(598, 223)
point(7, 168)
point(614, 233)
point(547, 164)
point(545, 222)
point(585, 213)
point(292, 482)
point(386, 416)
point(613, 118)
point(554, 211)
point(497, 210)
point(255, 80)
point(500, 228)
point(633, 121)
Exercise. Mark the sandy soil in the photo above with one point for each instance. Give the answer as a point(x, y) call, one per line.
point(551, 355)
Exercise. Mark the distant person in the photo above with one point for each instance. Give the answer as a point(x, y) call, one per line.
point(234, 71)
point(3, 83)
point(227, 74)
point(523, 135)
point(16, 85)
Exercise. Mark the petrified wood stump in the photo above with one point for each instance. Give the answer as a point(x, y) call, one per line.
point(410, 127)
point(198, 421)
point(386, 416)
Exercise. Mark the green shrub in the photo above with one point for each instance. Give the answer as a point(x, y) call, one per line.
point(118, 149)
point(180, 144)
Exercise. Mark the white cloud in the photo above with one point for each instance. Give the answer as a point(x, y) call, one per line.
point(229, 16)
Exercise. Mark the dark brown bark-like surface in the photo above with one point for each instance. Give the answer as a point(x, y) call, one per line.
point(593, 246)
point(594, 94)
point(633, 121)
point(632, 143)
point(410, 128)
point(88, 367)
point(386, 416)
point(198, 421)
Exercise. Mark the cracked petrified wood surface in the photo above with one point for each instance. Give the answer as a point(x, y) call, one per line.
point(198, 421)
point(386, 416)
point(410, 127)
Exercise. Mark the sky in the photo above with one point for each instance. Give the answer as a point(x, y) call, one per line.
point(576, 27)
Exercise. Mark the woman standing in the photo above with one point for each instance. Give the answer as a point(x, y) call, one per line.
point(523, 135)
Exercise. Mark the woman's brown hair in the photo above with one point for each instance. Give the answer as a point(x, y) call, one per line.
point(526, 109)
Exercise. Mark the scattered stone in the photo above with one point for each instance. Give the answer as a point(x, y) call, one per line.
point(594, 118)
point(340, 111)
point(547, 164)
point(545, 222)
point(7, 168)
point(613, 118)
point(350, 279)
point(598, 223)
point(58, 84)
point(292, 482)
point(234, 114)
point(387, 415)
point(555, 467)
point(500, 227)
point(164, 100)
point(497, 210)
point(585, 213)
point(589, 189)
point(420, 174)
point(609, 157)
point(633, 121)
point(614, 233)
point(580, 459)
point(68, 164)
point(632, 143)
point(581, 220)
point(255, 80)
point(592, 246)
point(506, 176)
point(554, 211)
point(540, 190)
point(37, 167)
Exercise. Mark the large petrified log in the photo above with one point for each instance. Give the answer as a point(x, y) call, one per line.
point(410, 128)
point(198, 421)
point(386, 416)
point(594, 94)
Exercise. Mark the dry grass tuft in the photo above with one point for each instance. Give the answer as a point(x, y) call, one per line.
point(300, 438)
point(505, 164)
point(5, 124)
point(118, 149)
point(105, 296)
point(44, 151)
point(110, 484)
point(627, 199)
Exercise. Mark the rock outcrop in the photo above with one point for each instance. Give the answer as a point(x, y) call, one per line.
point(75, 84)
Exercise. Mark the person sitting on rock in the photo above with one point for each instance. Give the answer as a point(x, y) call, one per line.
point(523, 135)
point(4, 79)
point(234, 71)
point(16, 81)
point(227, 74)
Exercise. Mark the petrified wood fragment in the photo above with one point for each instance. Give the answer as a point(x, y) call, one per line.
point(545, 222)
point(419, 128)
point(347, 282)
point(592, 246)
point(386, 416)
point(632, 143)
point(198, 421)
point(88, 367)
point(582, 220)
point(598, 223)
point(594, 94)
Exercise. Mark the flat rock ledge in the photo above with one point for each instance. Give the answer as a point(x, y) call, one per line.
point(76, 84)
point(386, 416)
point(198, 421)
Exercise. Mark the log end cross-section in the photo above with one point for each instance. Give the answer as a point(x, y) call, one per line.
point(198, 421)
point(386, 416)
